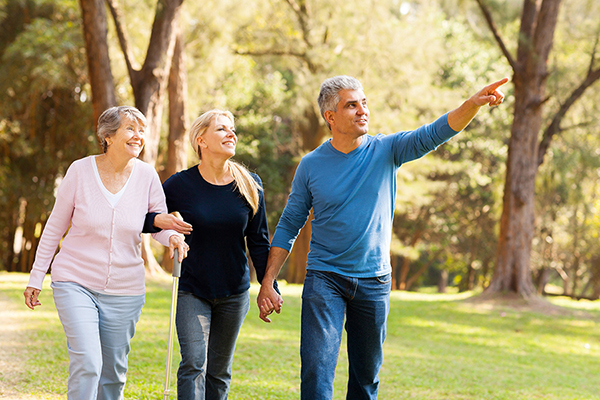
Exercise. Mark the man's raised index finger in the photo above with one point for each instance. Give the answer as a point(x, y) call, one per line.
point(496, 85)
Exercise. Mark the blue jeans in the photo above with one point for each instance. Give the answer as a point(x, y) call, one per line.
point(99, 329)
point(207, 332)
point(365, 302)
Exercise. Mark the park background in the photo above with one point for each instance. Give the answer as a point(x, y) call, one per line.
point(508, 207)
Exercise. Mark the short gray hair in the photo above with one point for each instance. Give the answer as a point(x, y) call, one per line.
point(329, 96)
point(111, 119)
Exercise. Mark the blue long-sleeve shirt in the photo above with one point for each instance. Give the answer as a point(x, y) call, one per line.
point(353, 198)
point(216, 265)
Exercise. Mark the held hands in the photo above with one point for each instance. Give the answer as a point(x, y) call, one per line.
point(31, 297)
point(170, 221)
point(268, 300)
point(490, 94)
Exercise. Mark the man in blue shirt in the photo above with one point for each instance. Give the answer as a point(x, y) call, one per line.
point(350, 183)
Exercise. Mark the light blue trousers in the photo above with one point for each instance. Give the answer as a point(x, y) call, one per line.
point(99, 329)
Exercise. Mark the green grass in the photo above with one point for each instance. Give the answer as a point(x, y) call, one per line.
point(438, 347)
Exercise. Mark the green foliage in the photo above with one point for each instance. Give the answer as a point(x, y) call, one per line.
point(45, 122)
point(437, 347)
point(266, 144)
point(265, 60)
point(451, 198)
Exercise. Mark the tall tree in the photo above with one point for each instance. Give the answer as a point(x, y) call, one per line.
point(176, 157)
point(525, 151)
point(178, 124)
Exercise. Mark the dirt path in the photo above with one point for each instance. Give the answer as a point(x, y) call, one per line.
point(12, 348)
point(13, 345)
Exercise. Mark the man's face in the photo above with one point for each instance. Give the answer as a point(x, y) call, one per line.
point(352, 114)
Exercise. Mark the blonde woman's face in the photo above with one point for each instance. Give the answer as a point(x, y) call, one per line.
point(219, 140)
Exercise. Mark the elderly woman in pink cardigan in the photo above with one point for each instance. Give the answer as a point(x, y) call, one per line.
point(98, 274)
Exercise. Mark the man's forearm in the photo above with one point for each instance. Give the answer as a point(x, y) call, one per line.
point(277, 257)
point(459, 118)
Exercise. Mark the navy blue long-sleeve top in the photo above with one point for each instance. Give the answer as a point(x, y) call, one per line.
point(216, 265)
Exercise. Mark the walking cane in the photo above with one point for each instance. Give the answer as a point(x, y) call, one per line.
point(176, 275)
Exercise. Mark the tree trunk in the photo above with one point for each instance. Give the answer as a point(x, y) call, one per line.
point(312, 135)
point(176, 150)
point(512, 272)
point(150, 82)
point(542, 281)
point(178, 125)
point(411, 281)
point(472, 273)
point(12, 213)
point(405, 266)
point(296, 268)
point(93, 14)
point(595, 278)
point(443, 281)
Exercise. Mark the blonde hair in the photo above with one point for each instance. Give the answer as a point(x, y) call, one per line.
point(244, 182)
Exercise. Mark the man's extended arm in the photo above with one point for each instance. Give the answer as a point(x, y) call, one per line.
point(268, 299)
point(459, 119)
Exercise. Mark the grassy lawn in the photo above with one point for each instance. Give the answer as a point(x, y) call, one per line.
point(438, 347)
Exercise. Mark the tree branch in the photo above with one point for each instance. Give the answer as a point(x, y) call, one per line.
point(544, 31)
point(272, 52)
point(410, 281)
point(162, 37)
point(528, 21)
point(301, 11)
point(492, 25)
point(554, 127)
point(121, 34)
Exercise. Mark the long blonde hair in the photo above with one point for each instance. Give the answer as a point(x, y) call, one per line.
point(247, 186)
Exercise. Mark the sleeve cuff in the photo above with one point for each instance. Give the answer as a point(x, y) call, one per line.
point(149, 223)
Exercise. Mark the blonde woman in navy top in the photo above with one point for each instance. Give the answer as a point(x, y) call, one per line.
point(224, 203)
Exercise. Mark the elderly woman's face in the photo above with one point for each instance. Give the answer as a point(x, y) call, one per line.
point(129, 138)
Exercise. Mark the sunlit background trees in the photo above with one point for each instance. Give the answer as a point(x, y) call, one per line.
point(265, 60)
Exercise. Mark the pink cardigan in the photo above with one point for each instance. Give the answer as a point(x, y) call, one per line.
point(102, 250)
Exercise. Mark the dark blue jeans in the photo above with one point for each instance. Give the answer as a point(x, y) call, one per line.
point(365, 302)
point(207, 332)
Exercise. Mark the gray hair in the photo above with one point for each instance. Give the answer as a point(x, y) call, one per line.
point(329, 96)
point(111, 119)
